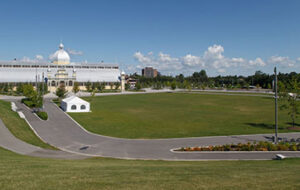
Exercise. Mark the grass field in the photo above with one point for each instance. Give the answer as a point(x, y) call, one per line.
point(170, 115)
point(27, 173)
point(18, 127)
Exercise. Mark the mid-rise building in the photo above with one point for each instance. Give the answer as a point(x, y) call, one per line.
point(149, 72)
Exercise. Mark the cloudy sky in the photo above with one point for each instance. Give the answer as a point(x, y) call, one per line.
point(223, 37)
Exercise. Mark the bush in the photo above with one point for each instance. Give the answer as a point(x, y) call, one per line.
point(173, 85)
point(43, 115)
point(28, 103)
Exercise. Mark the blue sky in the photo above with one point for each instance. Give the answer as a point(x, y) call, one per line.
point(222, 37)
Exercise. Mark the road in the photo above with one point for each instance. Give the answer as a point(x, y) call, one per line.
point(62, 132)
point(10, 142)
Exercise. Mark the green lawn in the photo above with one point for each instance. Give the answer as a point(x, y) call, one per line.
point(18, 127)
point(28, 173)
point(170, 115)
point(232, 92)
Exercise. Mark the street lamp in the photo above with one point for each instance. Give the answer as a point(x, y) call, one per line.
point(276, 107)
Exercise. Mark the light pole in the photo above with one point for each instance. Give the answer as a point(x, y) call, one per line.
point(276, 107)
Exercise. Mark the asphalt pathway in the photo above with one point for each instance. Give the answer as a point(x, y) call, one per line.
point(63, 132)
point(10, 142)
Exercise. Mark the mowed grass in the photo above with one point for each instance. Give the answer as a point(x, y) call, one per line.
point(18, 127)
point(28, 173)
point(171, 115)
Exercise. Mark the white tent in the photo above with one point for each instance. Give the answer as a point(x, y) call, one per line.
point(75, 104)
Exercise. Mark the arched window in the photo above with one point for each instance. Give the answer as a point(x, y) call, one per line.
point(70, 83)
point(82, 107)
point(73, 107)
point(53, 83)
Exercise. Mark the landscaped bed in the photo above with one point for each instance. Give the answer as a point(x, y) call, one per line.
point(261, 146)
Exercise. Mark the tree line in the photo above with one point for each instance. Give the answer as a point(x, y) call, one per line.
point(200, 80)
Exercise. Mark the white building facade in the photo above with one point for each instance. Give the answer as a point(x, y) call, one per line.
point(59, 71)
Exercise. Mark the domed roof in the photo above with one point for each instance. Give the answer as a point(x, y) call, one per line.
point(61, 57)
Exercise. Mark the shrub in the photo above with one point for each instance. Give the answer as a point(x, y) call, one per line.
point(28, 103)
point(173, 85)
point(43, 115)
point(293, 147)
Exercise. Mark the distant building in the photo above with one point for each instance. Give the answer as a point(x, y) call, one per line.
point(131, 82)
point(149, 72)
point(60, 72)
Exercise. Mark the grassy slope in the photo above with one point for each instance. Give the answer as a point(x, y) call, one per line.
point(18, 127)
point(22, 172)
point(180, 115)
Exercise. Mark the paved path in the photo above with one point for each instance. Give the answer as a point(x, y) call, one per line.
point(62, 132)
point(10, 142)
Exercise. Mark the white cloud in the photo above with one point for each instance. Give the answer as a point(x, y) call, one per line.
point(74, 52)
point(214, 52)
point(258, 62)
point(212, 59)
point(39, 57)
point(191, 60)
point(166, 58)
point(283, 61)
point(142, 58)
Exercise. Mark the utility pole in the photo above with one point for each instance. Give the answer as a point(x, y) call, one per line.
point(36, 78)
point(43, 83)
point(276, 107)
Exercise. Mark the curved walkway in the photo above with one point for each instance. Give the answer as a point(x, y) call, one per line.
point(10, 142)
point(62, 132)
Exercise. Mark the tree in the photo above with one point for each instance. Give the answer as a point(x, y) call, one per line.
point(138, 86)
point(6, 88)
point(88, 86)
point(32, 95)
point(37, 100)
point(43, 87)
point(76, 87)
point(289, 100)
point(202, 86)
point(61, 91)
point(94, 86)
point(157, 85)
point(19, 89)
point(117, 85)
point(101, 87)
point(173, 85)
point(28, 91)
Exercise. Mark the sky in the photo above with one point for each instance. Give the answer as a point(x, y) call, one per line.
point(232, 37)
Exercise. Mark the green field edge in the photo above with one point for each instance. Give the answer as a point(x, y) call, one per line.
point(25, 172)
point(94, 100)
point(19, 127)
